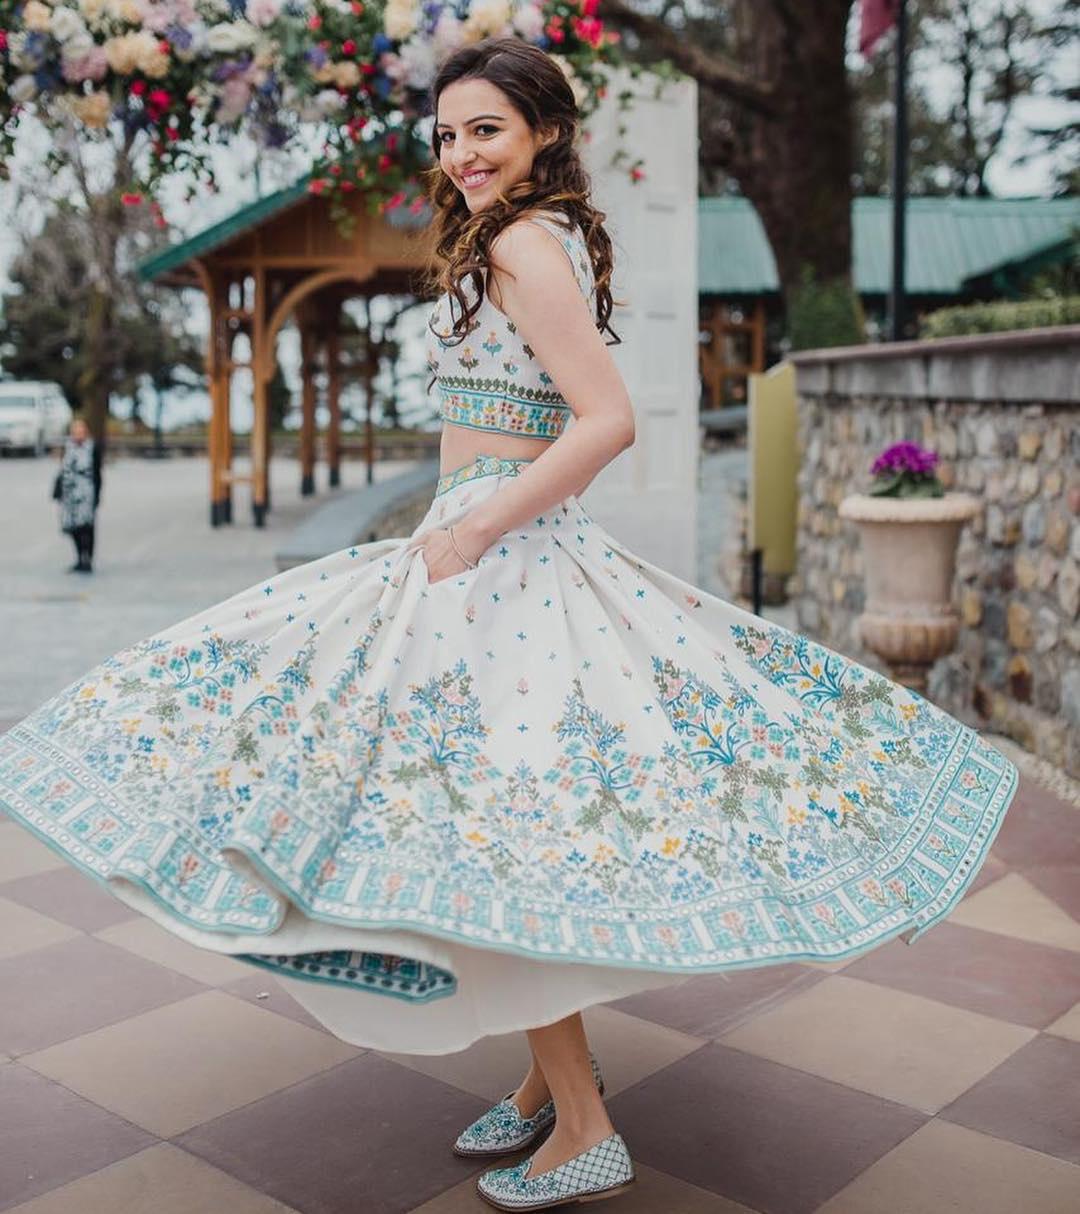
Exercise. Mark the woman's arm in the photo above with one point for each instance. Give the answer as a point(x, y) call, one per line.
point(533, 283)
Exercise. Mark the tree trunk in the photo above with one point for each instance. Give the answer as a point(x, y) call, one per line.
point(784, 131)
point(796, 165)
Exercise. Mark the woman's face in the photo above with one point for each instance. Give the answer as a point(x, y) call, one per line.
point(79, 430)
point(485, 145)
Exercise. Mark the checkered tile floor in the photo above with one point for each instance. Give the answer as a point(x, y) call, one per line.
point(140, 1076)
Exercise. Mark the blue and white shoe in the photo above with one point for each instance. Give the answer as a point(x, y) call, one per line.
point(502, 1129)
point(604, 1170)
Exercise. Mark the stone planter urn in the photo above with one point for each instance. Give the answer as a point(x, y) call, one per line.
point(909, 555)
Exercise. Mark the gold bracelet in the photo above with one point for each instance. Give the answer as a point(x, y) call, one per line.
point(453, 544)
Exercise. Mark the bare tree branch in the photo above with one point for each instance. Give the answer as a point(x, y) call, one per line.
point(709, 69)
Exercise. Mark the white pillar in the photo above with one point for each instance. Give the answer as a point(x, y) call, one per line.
point(647, 497)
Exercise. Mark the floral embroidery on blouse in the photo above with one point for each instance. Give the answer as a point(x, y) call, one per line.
point(503, 388)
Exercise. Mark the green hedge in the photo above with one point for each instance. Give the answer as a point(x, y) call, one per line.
point(1002, 315)
point(824, 313)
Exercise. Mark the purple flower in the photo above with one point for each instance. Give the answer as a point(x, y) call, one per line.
point(905, 457)
point(179, 37)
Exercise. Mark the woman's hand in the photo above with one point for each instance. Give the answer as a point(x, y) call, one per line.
point(439, 555)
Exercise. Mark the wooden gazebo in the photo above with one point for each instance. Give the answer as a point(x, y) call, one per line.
point(280, 257)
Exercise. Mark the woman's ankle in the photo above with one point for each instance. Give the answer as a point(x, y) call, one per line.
point(532, 1093)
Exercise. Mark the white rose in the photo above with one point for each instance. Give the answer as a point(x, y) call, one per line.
point(37, 17)
point(400, 19)
point(92, 10)
point(262, 12)
point(79, 45)
point(126, 10)
point(449, 34)
point(23, 89)
point(418, 63)
point(16, 48)
point(235, 36)
point(486, 17)
point(67, 24)
point(529, 21)
point(328, 101)
point(579, 90)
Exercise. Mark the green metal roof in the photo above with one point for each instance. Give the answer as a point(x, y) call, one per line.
point(949, 241)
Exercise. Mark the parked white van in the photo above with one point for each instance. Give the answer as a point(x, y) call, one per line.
point(33, 416)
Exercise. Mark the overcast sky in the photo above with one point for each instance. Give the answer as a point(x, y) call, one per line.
point(234, 167)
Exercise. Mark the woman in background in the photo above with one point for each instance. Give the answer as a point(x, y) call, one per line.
point(78, 490)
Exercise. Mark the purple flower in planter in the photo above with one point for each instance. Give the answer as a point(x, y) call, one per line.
point(906, 470)
point(905, 457)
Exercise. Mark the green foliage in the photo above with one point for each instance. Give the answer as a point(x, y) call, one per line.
point(824, 313)
point(1001, 316)
point(906, 484)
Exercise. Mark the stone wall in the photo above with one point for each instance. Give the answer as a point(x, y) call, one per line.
point(1003, 413)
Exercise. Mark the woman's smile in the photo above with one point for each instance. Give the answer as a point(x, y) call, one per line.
point(476, 177)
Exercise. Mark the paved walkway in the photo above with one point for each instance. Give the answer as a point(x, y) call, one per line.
point(141, 1076)
point(157, 561)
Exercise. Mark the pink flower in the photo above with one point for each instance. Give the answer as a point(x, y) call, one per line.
point(262, 12)
point(235, 95)
point(91, 66)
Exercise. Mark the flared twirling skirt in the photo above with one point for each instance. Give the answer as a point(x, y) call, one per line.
point(441, 810)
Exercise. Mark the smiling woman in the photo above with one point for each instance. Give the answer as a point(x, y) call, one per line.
point(480, 778)
point(488, 150)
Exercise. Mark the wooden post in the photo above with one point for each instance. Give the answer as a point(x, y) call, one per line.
point(217, 366)
point(333, 395)
point(225, 434)
point(757, 353)
point(212, 373)
point(369, 392)
point(307, 416)
point(268, 440)
point(261, 418)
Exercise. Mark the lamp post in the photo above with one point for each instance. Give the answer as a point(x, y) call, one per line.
point(897, 307)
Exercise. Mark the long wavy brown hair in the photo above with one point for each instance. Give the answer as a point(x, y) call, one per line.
point(536, 86)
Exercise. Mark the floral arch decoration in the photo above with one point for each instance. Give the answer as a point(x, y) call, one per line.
point(171, 78)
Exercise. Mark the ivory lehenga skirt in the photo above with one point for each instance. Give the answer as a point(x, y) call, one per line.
point(439, 811)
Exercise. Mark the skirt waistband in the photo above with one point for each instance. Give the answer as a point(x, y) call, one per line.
point(481, 465)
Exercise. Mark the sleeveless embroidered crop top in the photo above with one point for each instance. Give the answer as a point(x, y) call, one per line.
point(491, 380)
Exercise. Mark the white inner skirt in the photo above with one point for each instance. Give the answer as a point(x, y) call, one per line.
point(497, 992)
